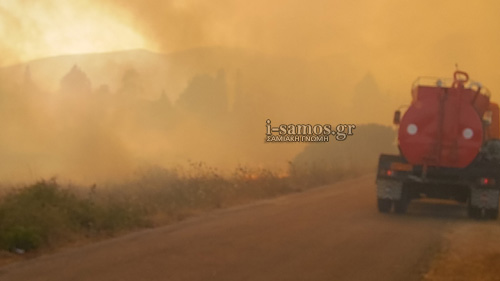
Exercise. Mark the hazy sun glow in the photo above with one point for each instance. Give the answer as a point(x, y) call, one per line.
point(60, 27)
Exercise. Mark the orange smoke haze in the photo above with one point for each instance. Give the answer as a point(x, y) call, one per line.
point(197, 79)
point(395, 40)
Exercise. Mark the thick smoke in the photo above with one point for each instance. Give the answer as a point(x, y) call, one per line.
point(396, 40)
point(219, 70)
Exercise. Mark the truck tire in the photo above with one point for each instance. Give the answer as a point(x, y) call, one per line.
point(400, 206)
point(491, 213)
point(473, 212)
point(384, 205)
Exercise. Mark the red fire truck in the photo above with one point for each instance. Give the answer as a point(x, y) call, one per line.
point(449, 147)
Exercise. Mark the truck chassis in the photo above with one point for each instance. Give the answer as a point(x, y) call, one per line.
point(477, 185)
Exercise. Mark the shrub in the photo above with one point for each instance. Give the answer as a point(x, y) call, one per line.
point(45, 214)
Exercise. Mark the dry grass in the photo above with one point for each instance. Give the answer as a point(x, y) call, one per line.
point(45, 215)
point(472, 253)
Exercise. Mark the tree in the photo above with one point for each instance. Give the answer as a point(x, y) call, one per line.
point(76, 82)
point(206, 95)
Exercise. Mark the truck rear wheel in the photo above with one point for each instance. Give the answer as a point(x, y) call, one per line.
point(400, 206)
point(473, 212)
point(384, 205)
point(491, 214)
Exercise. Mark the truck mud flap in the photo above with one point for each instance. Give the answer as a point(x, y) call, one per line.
point(389, 189)
point(484, 198)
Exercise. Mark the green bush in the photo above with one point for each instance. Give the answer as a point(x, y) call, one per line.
point(20, 237)
point(44, 214)
point(33, 215)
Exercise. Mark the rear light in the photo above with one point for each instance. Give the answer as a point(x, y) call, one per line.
point(388, 173)
point(487, 181)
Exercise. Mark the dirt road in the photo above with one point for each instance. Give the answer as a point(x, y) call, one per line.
point(329, 233)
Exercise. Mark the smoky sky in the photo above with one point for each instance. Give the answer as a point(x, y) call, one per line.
point(395, 40)
point(290, 61)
